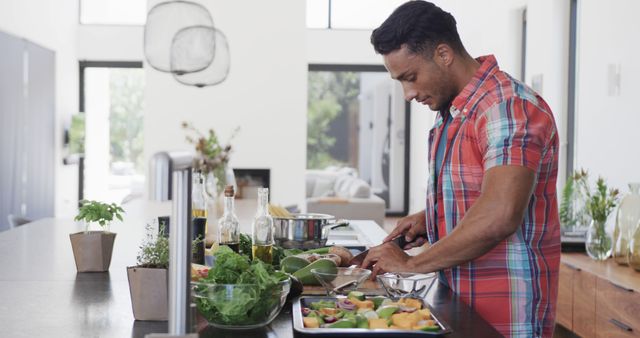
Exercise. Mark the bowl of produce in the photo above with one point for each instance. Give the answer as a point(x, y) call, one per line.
point(341, 281)
point(406, 284)
point(240, 294)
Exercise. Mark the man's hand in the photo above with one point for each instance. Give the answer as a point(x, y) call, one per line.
point(410, 227)
point(386, 257)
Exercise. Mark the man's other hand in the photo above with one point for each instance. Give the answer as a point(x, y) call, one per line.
point(410, 227)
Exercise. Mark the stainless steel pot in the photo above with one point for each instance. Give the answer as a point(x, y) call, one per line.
point(305, 231)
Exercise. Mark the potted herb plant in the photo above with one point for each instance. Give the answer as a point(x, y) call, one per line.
point(148, 283)
point(148, 280)
point(92, 249)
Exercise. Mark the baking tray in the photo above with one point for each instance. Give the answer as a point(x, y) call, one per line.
point(300, 330)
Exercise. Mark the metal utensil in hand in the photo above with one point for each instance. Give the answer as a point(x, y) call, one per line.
point(359, 258)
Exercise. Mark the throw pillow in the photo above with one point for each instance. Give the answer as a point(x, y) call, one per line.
point(359, 189)
point(323, 187)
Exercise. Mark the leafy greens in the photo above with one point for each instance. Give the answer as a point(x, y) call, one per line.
point(238, 291)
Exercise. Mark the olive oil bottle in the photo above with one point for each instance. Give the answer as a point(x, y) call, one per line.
point(198, 196)
point(262, 229)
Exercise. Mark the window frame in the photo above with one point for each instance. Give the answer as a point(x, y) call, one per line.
point(316, 67)
point(82, 65)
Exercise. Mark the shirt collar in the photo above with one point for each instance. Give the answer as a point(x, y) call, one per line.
point(488, 67)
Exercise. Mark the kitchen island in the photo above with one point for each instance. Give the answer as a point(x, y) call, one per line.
point(42, 295)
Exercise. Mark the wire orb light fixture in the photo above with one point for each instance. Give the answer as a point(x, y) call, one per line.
point(180, 38)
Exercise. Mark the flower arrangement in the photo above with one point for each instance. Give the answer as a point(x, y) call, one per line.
point(599, 203)
point(211, 156)
point(602, 201)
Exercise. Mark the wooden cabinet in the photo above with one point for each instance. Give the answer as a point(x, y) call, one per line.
point(598, 299)
point(584, 304)
point(617, 310)
point(565, 297)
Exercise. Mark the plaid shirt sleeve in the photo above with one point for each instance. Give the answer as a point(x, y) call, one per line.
point(516, 131)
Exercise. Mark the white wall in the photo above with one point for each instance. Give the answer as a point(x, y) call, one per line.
point(52, 24)
point(265, 93)
point(607, 125)
point(110, 43)
point(548, 57)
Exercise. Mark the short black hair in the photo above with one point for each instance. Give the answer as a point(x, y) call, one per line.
point(420, 25)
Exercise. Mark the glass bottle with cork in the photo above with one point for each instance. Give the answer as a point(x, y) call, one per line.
point(262, 229)
point(228, 224)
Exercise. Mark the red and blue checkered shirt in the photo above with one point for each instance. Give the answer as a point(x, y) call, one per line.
point(499, 121)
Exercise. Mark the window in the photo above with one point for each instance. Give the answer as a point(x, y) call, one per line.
point(358, 118)
point(349, 14)
point(113, 12)
point(111, 97)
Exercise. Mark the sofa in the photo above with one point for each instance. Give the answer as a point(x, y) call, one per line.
point(339, 192)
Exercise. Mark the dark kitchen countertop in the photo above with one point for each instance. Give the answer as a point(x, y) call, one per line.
point(41, 294)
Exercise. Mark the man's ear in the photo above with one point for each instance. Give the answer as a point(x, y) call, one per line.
point(444, 55)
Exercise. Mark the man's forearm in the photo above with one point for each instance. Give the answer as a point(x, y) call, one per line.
point(483, 227)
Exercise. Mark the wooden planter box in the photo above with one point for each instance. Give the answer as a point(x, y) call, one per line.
point(92, 250)
point(149, 293)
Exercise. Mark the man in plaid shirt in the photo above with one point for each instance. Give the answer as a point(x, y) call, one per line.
point(491, 213)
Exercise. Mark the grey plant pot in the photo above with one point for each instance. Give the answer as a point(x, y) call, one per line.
point(149, 293)
point(92, 250)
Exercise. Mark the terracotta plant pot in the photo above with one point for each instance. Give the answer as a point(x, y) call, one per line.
point(92, 250)
point(149, 293)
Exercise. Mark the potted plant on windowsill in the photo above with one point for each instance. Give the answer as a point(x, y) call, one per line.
point(92, 249)
point(148, 280)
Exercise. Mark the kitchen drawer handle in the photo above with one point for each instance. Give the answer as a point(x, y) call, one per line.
point(621, 325)
point(621, 287)
point(572, 267)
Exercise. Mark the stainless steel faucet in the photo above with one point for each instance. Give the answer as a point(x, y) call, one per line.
point(170, 178)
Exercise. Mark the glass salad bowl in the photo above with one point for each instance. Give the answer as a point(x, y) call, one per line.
point(407, 284)
point(239, 306)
